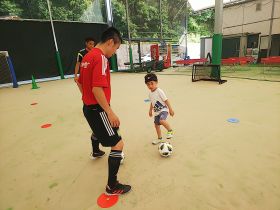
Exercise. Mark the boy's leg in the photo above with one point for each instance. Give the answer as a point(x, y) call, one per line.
point(158, 131)
point(165, 124)
point(157, 141)
point(168, 128)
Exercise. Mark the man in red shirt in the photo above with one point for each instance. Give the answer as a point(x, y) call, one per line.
point(94, 84)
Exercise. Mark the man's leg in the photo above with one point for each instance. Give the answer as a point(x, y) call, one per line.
point(96, 152)
point(113, 186)
point(114, 163)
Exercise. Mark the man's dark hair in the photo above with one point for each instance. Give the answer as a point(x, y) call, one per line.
point(88, 39)
point(150, 77)
point(111, 33)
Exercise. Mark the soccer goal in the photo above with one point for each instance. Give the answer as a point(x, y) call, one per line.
point(207, 72)
point(7, 73)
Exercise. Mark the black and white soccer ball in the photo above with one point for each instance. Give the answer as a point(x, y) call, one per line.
point(165, 149)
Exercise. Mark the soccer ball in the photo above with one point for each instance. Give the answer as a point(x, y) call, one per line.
point(165, 149)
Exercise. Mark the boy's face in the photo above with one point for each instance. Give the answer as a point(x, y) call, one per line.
point(111, 47)
point(90, 45)
point(152, 85)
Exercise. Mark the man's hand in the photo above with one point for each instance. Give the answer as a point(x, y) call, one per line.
point(114, 120)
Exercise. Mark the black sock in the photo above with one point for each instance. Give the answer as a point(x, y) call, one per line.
point(114, 164)
point(94, 144)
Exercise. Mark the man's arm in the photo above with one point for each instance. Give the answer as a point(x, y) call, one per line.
point(169, 107)
point(102, 101)
point(77, 71)
point(80, 87)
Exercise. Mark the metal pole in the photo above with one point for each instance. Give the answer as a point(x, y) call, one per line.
point(129, 39)
point(270, 29)
point(160, 16)
point(186, 30)
point(58, 59)
point(218, 36)
point(50, 13)
point(218, 17)
point(109, 12)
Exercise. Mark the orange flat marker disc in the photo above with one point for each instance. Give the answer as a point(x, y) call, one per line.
point(107, 201)
point(46, 126)
point(33, 104)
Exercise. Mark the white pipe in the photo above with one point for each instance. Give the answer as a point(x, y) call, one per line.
point(54, 37)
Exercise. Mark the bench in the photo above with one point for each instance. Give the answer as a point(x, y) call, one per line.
point(191, 61)
point(271, 60)
point(237, 60)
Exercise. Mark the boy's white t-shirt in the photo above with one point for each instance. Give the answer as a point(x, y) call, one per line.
point(157, 98)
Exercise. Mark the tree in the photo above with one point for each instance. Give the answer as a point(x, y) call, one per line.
point(8, 8)
point(144, 19)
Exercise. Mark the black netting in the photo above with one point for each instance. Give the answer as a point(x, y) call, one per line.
point(31, 47)
point(207, 72)
point(5, 74)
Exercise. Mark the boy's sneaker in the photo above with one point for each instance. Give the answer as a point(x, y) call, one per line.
point(95, 155)
point(157, 141)
point(119, 189)
point(169, 134)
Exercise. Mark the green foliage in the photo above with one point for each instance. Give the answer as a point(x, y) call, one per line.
point(144, 19)
point(70, 10)
point(9, 8)
point(144, 15)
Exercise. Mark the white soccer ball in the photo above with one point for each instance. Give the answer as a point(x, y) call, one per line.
point(165, 149)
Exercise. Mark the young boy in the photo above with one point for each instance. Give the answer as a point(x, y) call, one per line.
point(161, 105)
point(94, 84)
point(89, 44)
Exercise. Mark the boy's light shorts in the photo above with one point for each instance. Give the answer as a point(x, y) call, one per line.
point(162, 116)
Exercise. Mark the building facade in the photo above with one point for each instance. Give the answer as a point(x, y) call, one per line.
point(247, 26)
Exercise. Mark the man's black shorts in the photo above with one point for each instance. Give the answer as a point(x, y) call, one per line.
point(100, 125)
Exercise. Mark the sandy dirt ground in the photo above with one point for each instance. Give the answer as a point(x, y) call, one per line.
point(216, 165)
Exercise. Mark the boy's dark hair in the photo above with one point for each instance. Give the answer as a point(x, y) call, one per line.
point(150, 77)
point(88, 39)
point(111, 33)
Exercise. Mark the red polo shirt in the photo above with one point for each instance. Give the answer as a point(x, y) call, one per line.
point(94, 72)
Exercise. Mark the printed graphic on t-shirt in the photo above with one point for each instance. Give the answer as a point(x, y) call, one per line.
point(158, 106)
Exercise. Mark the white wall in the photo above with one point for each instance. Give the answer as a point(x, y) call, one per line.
point(245, 19)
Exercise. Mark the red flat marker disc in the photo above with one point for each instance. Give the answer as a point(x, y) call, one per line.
point(107, 201)
point(33, 104)
point(46, 126)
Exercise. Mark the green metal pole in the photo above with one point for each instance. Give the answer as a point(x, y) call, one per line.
point(113, 61)
point(217, 49)
point(59, 64)
point(130, 57)
point(217, 37)
point(129, 38)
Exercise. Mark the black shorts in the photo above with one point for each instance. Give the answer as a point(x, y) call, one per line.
point(100, 125)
